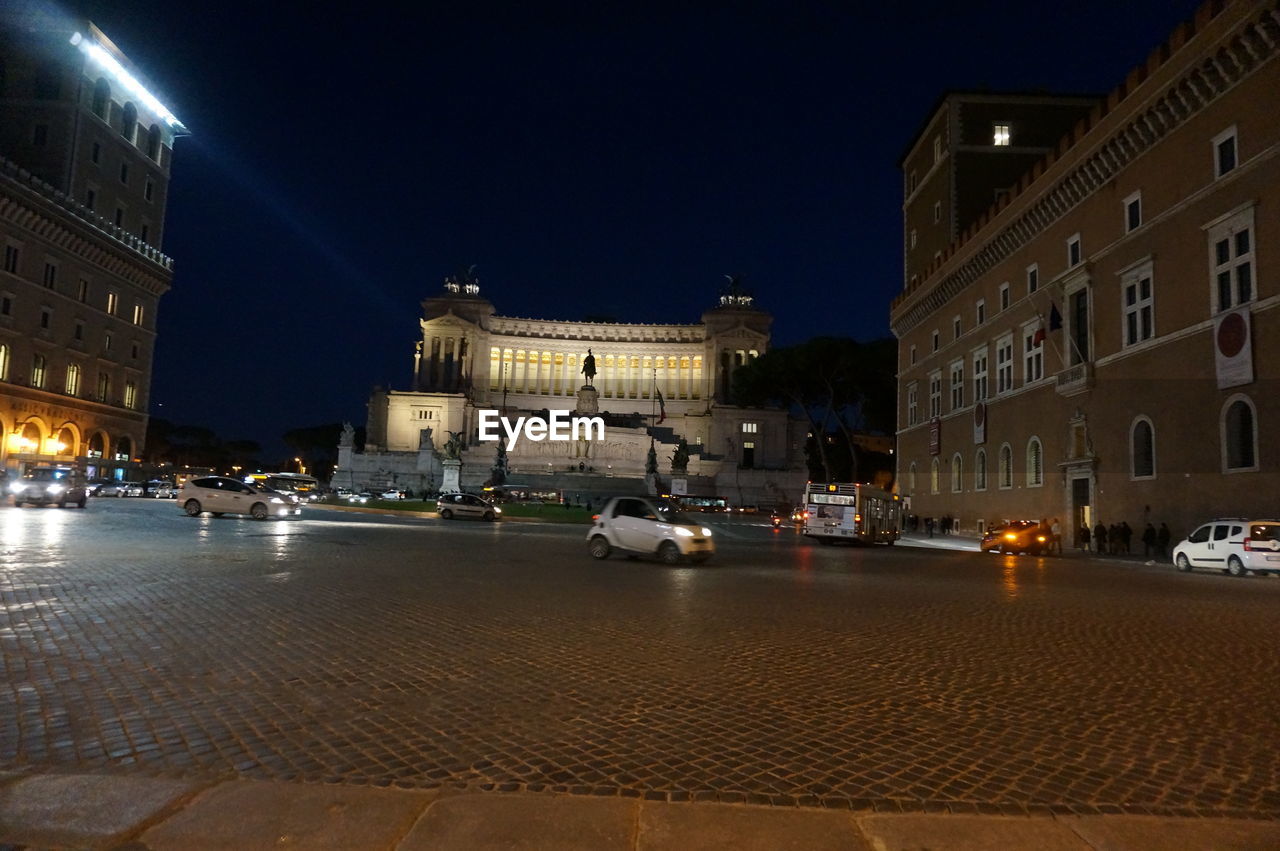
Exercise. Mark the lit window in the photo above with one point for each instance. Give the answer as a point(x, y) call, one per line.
point(138, 311)
point(1000, 135)
point(38, 367)
point(113, 301)
point(130, 395)
point(73, 379)
point(750, 428)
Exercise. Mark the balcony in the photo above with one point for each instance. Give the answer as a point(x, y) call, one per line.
point(1075, 379)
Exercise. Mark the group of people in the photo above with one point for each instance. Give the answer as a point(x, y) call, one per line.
point(945, 525)
point(1117, 539)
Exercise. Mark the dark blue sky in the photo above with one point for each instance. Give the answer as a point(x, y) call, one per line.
point(593, 158)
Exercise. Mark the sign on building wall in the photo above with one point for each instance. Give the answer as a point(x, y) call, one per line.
point(979, 423)
point(935, 436)
point(1233, 348)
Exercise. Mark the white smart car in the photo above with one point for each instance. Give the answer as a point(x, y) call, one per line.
point(645, 526)
point(1233, 545)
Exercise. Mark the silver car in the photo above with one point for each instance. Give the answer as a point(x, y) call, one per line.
point(220, 495)
point(458, 505)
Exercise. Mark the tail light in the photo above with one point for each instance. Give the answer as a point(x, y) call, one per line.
point(595, 518)
point(1248, 545)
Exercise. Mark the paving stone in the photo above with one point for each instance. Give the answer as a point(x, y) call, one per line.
point(967, 833)
point(84, 811)
point(1140, 833)
point(524, 823)
point(250, 814)
point(684, 827)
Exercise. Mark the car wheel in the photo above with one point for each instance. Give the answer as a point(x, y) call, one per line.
point(259, 511)
point(1183, 563)
point(446, 514)
point(192, 508)
point(119, 493)
point(669, 553)
point(490, 516)
point(599, 547)
point(1235, 566)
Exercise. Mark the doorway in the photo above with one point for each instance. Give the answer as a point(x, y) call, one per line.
point(1081, 507)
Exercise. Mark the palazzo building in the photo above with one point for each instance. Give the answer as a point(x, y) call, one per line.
point(666, 382)
point(1102, 342)
point(85, 155)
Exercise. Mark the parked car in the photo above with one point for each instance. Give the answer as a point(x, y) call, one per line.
point(162, 490)
point(1020, 536)
point(642, 526)
point(459, 505)
point(132, 489)
point(393, 493)
point(93, 486)
point(49, 485)
point(220, 495)
point(112, 488)
point(1233, 545)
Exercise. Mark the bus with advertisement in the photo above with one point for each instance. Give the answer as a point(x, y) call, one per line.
point(852, 512)
point(307, 488)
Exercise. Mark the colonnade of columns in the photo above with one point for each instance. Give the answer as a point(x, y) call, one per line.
point(441, 363)
point(618, 375)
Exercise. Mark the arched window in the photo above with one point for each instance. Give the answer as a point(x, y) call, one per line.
point(66, 441)
point(1035, 472)
point(153, 142)
point(4, 362)
point(124, 449)
point(1006, 466)
point(102, 98)
point(130, 122)
point(1239, 434)
point(911, 478)
point(97, 445)
point(980, 470)
point(957, 473)
point(1142, 449)
point(934, 472)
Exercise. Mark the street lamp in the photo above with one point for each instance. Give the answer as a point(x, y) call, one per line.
point(298, 461)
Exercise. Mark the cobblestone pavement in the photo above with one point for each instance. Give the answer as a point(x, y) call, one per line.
point(423, 654)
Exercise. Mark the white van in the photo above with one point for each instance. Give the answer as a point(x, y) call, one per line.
point(1233, 545)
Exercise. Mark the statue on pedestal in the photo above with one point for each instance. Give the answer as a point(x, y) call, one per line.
point(348, 437)
point(651, 462)
point(453, 446)
point(589, 368)
point(680, 458)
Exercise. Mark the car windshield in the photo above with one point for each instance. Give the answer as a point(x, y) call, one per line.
point(45, 475)
point(260, 488)
point(670, 513)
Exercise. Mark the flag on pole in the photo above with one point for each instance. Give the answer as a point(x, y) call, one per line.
point(1055, 318)
point(662, 409)
point(1038, 337)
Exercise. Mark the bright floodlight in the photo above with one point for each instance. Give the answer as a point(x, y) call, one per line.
point(117, 71)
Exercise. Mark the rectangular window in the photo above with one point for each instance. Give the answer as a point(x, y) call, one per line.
point(104, 386)
point(980, 312)
point(912, 352)
point(106, 342)
point(1224, 152)
point(1032, 352)
point(90, 199)
point(38, 367)
point(124, 173)
point(937, 148)
point(750, 428)
point(144, 233)
point(50, 275)
point(1004, 296)
point(1073, 251)
point(955, 328)
point(913, 237)
point(148, 189)
point(119, 217)
point(957, 385)
point(79, 330)
point(11, 253)
point(1004, 364)
point(1078, 333)
point(1033, 278)
point(6, 305)
point(1138, 306)
point(913, 411)
point(1231, 261)
point(1000, 135)
point(97, 153)
point(73, 379)
point(83, 292)
point(937, 212)
point(935, 394)
point(46, 317)
point(134, 349)
point(935, 341)
point(113, 302)
point(130, 394)
point(1133, 212)
point(4, 362)
point(980, 375)
point(138, 311)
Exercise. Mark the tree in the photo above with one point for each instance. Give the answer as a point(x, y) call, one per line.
point(317, 446)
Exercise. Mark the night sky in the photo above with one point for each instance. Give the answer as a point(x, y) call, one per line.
point(590, 159)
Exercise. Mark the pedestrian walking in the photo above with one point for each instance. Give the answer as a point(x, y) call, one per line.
point(1148, 541)
point(1100, 538)
point(928, 526)
point(1162, 540)
point(1082, 537)
point(1126, 535)
point(1056, 531)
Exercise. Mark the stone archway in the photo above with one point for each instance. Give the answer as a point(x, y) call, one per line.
point(67, 436)
point(124, 448)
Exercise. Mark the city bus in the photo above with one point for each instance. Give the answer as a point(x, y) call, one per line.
point(307, 488)
point(701, 503)
point(851, 512)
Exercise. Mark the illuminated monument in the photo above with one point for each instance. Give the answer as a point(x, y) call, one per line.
point(665, 382)
point(85, 156)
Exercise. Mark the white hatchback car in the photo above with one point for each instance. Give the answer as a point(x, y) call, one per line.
point(456, 505)
point(642, 526)
point(1233, 545)
point(220, 495)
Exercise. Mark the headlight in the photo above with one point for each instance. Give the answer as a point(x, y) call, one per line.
point(497, 510)
point(277, 500)
point(683, 532)
point(57, 488)
point(1040, 538)
point(706, 531)
point(17, 487)
point(1009, 536)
